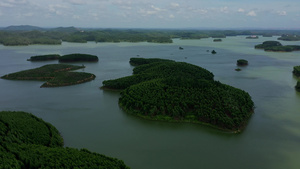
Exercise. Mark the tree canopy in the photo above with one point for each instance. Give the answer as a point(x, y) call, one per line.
point(30, 142)
point(177, 91)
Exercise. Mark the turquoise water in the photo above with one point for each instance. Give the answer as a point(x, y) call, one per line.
point(88, 117)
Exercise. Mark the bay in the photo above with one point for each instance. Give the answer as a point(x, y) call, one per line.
point(88, 117)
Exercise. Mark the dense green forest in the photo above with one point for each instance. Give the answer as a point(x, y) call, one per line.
point(296, 71)
point(44, 57)
point(55, 74)
point(77, 57)
point(242, 62)
point(276, 46)
point(177, 91)
point(12, 36)
point(30, 142)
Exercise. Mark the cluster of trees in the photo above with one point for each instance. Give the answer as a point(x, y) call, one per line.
point(276, 46)
point(29, 142)
point(296, 71)
point(176, 91)
point(78, 57)
point(28, 38)
point(242, 62)
point(55, 75)
point(44, 57)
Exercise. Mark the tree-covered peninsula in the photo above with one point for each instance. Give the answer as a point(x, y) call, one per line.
point(78, 57)
point(180, 92)
point(30, 142)
point(55, 74)
point(276, 46)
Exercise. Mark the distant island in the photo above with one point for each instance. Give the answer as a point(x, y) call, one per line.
point(55, 74)
point(252, 37)
point(289, 37)
point(172, 91)
point(44, 57)
point(78, 57)
point(30, 142)
point(242, 62)
point(276, 46)
point(217, 40)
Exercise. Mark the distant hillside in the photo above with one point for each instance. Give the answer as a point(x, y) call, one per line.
point(66, 29)
point(23, 28)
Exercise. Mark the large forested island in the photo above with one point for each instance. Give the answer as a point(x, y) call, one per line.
point(276, 46)
point(29, 35)
point(30, 142)
point(55, 74)
point(180, 92)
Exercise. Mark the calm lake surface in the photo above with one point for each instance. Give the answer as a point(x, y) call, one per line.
point(88, 117)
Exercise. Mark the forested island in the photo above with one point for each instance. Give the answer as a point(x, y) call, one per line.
point(30, 142)
point(242, 62)
point(180, 92)
point(29, 35)
point(276, 46)
point(44, 57)
point(78, 57)
point(55, 74)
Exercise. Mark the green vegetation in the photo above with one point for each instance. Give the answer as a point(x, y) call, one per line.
point(242, 62)
point(276, 46)
point(28, 35)
point(217, 40)
point(55, 74)
point(182, 92)
point(296, 71)
point(297, 87)
point(213, 52)
point(44, 57)
point(29, 142)
point(289, 37)
point(77, 57)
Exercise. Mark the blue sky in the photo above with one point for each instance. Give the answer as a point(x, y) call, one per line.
point(283, 14)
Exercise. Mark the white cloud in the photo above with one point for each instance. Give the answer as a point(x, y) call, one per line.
point(5, 5)
point(241, 10)
point(224, 9)
point(281, 13)
point(171, 16)
point(251, 13)
point(174, 5)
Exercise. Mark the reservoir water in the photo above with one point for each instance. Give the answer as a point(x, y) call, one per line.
point(88, 117)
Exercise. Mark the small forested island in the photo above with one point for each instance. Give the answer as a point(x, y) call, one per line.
point(30, 142)
point(172, 91)
point(213, 52)
point(217, 40)
point(252, 37)
point(242, 62)
point(55, 74)
point(276, 46)
point(78, 57)
point(44, 57)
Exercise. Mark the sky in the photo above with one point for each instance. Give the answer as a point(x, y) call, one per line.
point(222, 14)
